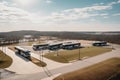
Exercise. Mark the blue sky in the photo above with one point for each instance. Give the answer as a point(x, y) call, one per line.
point(60, 15)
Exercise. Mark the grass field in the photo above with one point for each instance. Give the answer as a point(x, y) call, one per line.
point(106, 70)
point(70, 55)
point(5, 60)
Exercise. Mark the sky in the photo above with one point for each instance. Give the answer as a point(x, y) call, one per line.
point(60, 15)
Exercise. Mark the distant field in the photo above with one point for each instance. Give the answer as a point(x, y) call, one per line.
point(70, 55)
point(106, 70)
point(5, 60)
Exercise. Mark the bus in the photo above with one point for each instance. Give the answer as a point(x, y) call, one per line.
point(40, 46)
point(23, 52)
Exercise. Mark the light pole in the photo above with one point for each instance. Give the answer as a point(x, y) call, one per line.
point(0, 75)
point(42, 55)
point(79, 54)
point(79, 51)
point(39, 54)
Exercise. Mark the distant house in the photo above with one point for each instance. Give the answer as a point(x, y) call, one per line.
point(71, 45)
point(100, 43)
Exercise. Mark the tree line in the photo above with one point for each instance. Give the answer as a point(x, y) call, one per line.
point(15, 36)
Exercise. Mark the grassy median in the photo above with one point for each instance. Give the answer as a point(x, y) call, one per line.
point(38, 62)
point(66, 56)
point(5, 60)
point(106, 70)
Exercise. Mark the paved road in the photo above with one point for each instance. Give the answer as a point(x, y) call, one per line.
point(74, 66)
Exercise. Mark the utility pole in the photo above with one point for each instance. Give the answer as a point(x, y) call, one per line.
point(39, 54)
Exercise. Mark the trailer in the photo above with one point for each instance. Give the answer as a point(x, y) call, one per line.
point(23, 52)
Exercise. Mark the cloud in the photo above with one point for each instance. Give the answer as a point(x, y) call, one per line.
point(101, 3)
point(113, 3)
point(117, 14)
point(86, 9)
point(79, 13)
point(49, 1)
point(118, 1)
point(10, 13)
point(13, 14)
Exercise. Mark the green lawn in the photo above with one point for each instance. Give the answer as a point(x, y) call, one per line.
point(69, 55)
point(106, 70)
point(5, 61)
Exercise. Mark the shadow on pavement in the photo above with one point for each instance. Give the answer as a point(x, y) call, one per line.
point(25, 59)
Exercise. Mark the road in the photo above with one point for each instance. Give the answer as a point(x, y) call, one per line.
point(71, 67)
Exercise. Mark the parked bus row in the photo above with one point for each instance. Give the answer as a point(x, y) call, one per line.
point(56, 46)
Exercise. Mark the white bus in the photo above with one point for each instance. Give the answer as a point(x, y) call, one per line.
point(23, 52)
